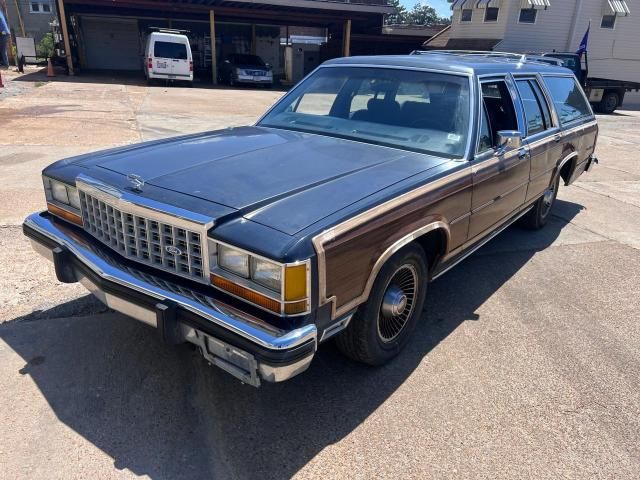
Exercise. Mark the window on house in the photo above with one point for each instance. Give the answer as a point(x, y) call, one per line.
point(466, 15)
point(42, 6)
point(608, 21)
point(528, 15)
point(491, 14)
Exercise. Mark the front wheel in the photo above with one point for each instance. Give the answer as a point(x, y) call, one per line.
point(382, 326)
point(541, 211)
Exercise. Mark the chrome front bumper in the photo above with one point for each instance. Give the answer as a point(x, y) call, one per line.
point(235, 341)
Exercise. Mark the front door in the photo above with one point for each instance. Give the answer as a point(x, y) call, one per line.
point(500, 178)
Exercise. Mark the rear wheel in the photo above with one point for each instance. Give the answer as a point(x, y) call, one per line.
point(610, 102)
point(541, 211)
point(382, 326)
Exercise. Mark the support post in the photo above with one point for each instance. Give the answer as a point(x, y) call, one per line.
point(253, 39)
point(214, 61)
point(19, 18)
point(65, 36)
point(346, 38)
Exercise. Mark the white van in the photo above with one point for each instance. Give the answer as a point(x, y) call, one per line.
point(168, 56)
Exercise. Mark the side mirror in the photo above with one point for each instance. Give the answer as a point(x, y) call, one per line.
point(508, 140)
point(268, 65)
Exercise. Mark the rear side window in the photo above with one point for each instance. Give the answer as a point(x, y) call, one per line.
point(536, 110)
point(172, 50)
point(568, 98)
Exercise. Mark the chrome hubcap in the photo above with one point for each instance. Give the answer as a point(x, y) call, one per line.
point(397, 303)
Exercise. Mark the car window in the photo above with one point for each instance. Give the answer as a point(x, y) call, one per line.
point(420, 111)
point(499, 107)
point(542, 101)
point(170, 50)
point(568, 98)
point(532, 108)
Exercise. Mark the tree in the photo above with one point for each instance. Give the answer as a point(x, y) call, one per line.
point(424, 14)
point(399, 15)
point(46, 47)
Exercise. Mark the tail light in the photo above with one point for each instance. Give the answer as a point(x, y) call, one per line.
point(150, 64)
point(190, 66)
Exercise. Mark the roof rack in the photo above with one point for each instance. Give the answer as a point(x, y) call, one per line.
point(521, 57)
point(167, 30)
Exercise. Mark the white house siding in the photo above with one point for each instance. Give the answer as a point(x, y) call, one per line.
point(613, 53)
point(478, 28)
point(551, 30)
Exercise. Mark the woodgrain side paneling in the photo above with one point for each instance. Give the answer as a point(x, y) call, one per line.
point(351, 255)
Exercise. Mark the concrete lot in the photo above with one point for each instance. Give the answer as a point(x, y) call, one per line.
point(527, 364)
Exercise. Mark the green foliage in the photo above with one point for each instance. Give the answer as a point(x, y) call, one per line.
point(46, 49)
point(399, 15)
point(421, 14)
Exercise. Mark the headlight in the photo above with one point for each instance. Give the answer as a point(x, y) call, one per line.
point(233, 260)
point(61, 193)
point(240, 71)
point(282, 288)
point(62, 200)
point(267, 274)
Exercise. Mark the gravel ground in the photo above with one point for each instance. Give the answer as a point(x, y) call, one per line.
point(527, 363)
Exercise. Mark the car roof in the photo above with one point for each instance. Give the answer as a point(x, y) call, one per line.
point(475, 63)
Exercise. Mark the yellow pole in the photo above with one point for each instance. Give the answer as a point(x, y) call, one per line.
point(214, 66)
point(65, 35)
point(346, 39)
point(19, 19)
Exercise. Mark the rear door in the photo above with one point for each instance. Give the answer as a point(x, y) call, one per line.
point(180, 62)
point(542, 135)
point(170, 58)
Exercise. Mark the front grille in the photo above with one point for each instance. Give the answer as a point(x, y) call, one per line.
point(144, 239)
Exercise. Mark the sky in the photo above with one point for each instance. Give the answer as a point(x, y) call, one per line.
point(442, 6)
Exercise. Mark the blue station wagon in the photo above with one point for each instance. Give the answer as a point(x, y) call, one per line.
point(328, 217)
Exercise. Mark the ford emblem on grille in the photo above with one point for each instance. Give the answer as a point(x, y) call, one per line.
point(136, 181)
point(173, 250)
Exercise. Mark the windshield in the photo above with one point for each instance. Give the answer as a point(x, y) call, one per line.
point(249, 60)
point(419, 111)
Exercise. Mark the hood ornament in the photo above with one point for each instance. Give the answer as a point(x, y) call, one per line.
point(136, 181)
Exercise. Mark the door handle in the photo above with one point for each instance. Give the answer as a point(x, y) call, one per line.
point(523, 152)
point(557, 137)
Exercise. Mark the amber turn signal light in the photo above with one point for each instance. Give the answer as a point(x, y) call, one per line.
point(249, 295)
point(62, 213)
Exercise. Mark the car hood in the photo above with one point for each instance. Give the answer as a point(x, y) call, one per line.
point(282, 179)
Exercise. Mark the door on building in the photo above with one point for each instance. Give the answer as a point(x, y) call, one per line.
point(111, 44)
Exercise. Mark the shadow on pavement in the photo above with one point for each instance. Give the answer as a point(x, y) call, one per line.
point(161, 412)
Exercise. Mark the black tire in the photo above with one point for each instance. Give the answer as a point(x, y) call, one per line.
point(541, 211)
point(373, 337)
point(610, 102)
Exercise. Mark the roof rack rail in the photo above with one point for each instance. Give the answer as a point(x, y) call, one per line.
point(521, 57)
point(167, 30)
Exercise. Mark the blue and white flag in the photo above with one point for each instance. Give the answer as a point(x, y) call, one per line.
point(585, 41)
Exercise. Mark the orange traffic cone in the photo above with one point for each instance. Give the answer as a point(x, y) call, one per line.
point(50, 72)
